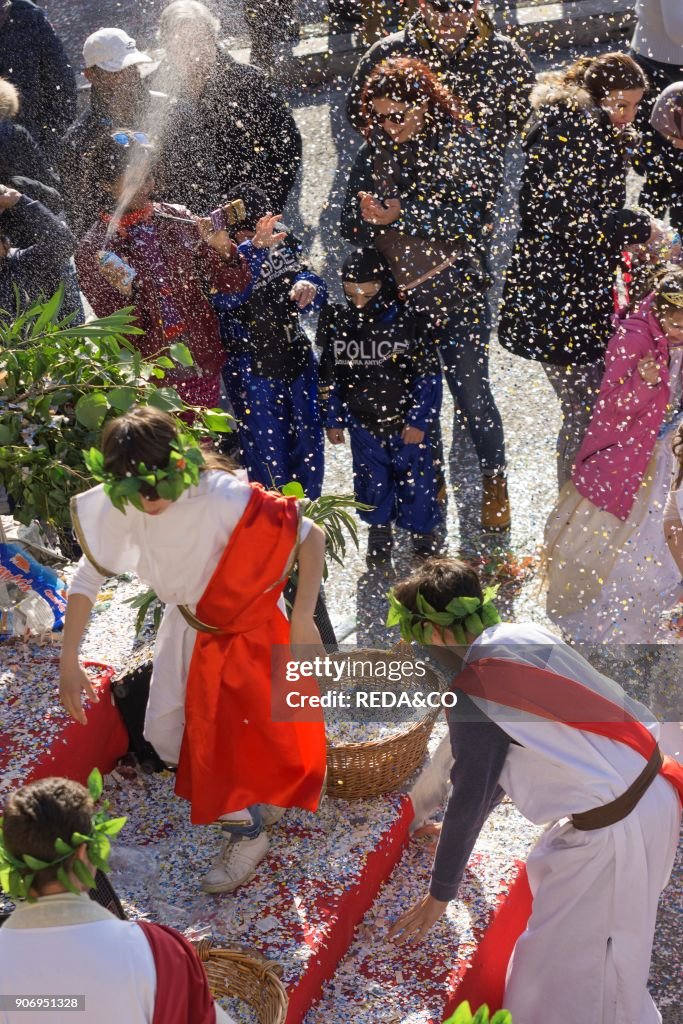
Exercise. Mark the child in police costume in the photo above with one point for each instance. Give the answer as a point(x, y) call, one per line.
point(271, 372)
point(382, 383)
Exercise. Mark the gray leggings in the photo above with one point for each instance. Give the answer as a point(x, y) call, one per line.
point(577, 389)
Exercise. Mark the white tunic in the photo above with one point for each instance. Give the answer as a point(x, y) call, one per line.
point(175, 553)
point(68, 945)
point(585, 955)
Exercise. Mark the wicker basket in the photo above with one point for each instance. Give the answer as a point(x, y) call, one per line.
point(247, 976)
point(357, 771)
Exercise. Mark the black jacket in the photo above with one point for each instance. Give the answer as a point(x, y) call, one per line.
point(445, 197)
point(558, 298)
point(663, 188)
point(22, 157)
point(490, 73)
point(240, 130)
point(33, 59)
point(43, 243)
point(268, 325)
point(380, 373)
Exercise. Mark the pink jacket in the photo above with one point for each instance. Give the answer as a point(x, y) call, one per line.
point(612, 460)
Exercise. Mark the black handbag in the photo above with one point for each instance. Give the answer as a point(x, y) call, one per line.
point(130, 691)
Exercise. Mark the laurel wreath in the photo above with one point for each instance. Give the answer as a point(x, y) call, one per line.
point(17, 873)
point(169, 482)
point(462, 615)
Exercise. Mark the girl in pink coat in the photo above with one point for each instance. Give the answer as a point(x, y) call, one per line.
point(609, 572)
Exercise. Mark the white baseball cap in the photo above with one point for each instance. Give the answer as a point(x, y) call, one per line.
point(112, 49)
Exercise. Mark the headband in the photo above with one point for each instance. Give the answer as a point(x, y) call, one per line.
point(17, 873)
point(461, 615)
point(169, 482)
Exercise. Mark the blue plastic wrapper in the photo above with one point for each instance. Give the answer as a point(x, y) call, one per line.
point(19, 569)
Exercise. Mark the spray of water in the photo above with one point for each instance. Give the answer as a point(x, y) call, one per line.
point(193, 33)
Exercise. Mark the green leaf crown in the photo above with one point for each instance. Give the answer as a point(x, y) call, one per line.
point(17, 873)
point(169, 482)
point(461, 615)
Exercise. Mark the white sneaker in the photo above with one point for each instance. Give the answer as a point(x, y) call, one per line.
point(236, 863)
point(270, 814)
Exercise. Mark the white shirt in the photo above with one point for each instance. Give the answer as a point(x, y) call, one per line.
point(68, 945)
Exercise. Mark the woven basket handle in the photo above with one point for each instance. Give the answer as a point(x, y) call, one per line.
point(256, 954)
point(204, 947)
point(402, 649)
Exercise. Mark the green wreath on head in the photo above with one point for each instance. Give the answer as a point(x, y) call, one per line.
point(461, 615)
point(169, 482)
point(17, 873)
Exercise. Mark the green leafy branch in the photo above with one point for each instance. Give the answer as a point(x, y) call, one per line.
point(59, 384)
point(462, 615)
point(333, 513)
point(147, 604)
point(464, 1015)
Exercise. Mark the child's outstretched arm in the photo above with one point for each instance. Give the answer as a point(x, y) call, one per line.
point(83, 592)
point(309, 292)
point(303, 630)
point(231, 277)
point(73, 680)
point(479, 749)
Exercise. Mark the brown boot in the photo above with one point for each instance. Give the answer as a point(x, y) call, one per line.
point(495, 506)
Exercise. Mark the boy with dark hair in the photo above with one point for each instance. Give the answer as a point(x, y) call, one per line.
point(271, 372)
point(383, 383)
point(60, 941)
point(538, 722)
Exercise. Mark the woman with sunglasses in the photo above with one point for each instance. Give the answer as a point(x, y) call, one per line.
point(420, 191)
point(164, 262)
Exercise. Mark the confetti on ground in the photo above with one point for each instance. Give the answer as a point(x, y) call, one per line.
point(32, 718)
point(411, 984)
point(304, 898)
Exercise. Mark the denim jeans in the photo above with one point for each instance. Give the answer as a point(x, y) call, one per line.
point(247, 831)
point(465, 355)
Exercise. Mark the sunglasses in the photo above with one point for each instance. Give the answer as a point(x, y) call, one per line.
point(129, 138)
point(399, 117)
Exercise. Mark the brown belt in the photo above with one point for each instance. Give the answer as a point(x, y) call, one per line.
point(615, 810)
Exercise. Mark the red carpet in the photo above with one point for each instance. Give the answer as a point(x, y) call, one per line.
point(484, 982)
point(40, 740)
point(345, 912)
point(79, 749)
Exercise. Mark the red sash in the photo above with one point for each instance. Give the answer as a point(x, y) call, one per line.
point(182, 993)
point(545, 694)
point(233, 754)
